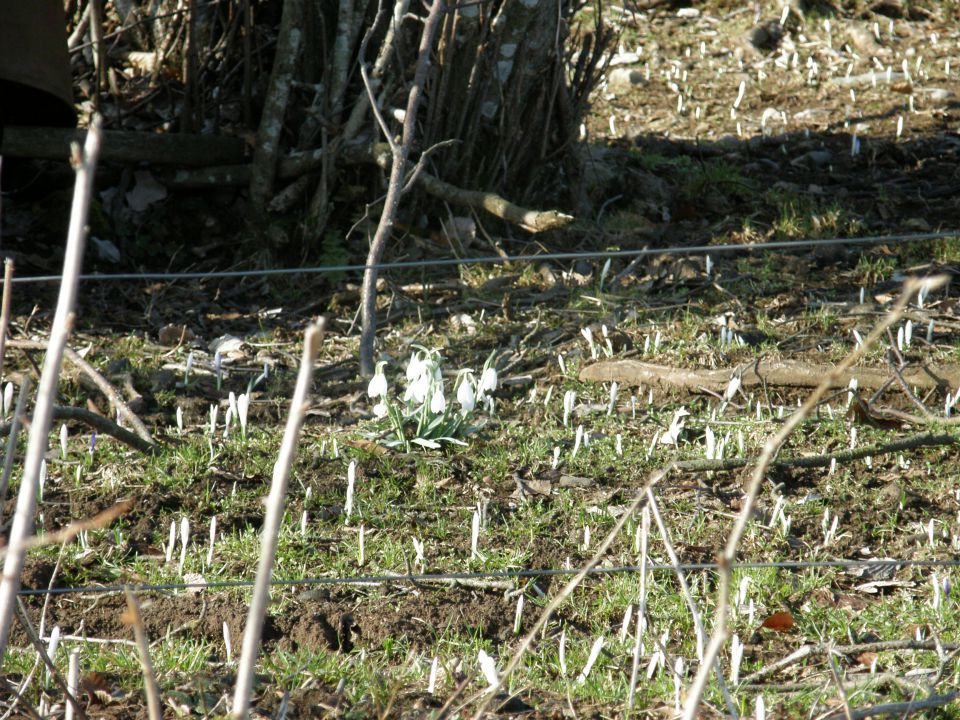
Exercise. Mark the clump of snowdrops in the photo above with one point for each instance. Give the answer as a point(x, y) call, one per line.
point(422, 415)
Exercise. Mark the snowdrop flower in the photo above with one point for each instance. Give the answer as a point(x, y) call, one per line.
point(377, 388)
point(488, 381)
point(466, 395)
point(438, 403)
point(419, 374)
point(243, 406)
point(380, 410)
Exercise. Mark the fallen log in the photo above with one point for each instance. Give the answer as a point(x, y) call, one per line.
point(779, 373)
point(177, 149)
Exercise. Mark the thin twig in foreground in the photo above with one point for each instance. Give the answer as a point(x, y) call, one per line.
point(273, 517)
point(133, 617)
point(5, 308)
point(49, 379)
point(770, 449)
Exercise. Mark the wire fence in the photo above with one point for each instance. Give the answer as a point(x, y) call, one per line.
point(498, 259)
point(873, 565)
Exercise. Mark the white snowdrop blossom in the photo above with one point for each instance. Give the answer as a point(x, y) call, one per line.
point(377, 387)
point(419, 376)
point(380, 410)
point(438, 403)
point(488, 381)
point(466, 395)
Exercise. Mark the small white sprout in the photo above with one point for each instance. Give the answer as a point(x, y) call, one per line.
point(569, 400)
point(736, 656)
point(488, 666)
point(179, 420)
point(184, 539)
point(213, 540)
point(432, 680)
point(171, 541)
point(518, 616)
point(562, 652)
point(361, 556)
point(677, 683)
point(7, 399)
point(562, 363)
point(577, 440)
point(214, 409)
point(243, 407)
point(475, 535)
point(612, 405)
point(64, 433)
point(619, 445)
point(227, 643)
point(591, 660)
point(351, 481)
point(556, 457)
point(761, 709)
point(588, 336)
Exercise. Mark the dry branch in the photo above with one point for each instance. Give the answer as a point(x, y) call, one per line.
point(115, 398)
point(23, 518)
point(824, 460)
point(126, 146)
point(69, 532)
point(273, 517)
point(779, 373)
point(395, 188)
point(134, 618)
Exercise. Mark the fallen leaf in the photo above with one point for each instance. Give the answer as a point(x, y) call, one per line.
point(778, 622)
point(866, 658)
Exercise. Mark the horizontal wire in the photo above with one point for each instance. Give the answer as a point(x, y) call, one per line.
point(495, 259)
point(496, 574)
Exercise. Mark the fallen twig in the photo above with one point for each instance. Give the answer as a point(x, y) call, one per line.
point(97, 422)
point(113, 395)
point(813, 651)
point(781, 373)
point(814, 461)
point(898, 708)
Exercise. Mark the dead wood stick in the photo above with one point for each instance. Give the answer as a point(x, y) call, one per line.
point(814, 651)
point(98, 423)
point(783, 373)
point(815, 461)
point(69, 532)
point(901, 709)
point(5, 308)
point(113, 395)
point(134, 618)
point(126, 146)
point(395, 188)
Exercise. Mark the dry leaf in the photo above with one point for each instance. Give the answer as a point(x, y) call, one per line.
point(778, 622)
